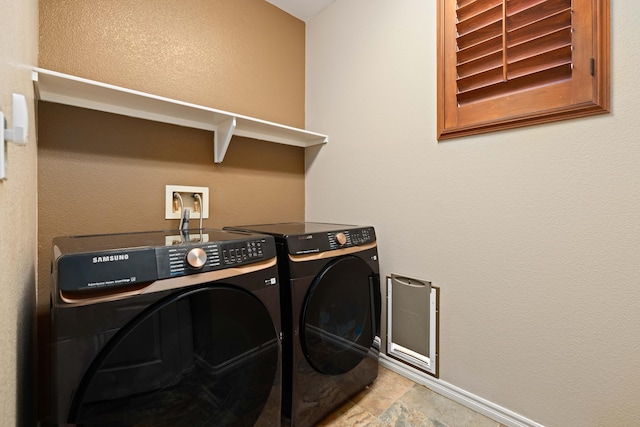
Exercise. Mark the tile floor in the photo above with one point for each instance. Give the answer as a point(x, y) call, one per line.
point(393, 400)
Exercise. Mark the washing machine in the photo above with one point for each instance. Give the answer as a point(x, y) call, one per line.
point(165, 329)
point(330, 296)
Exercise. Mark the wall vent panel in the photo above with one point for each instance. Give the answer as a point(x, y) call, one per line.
point(412, 322)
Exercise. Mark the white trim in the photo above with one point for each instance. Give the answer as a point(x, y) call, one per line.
point(463, 397)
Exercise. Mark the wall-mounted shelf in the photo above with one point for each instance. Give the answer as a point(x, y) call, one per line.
point(60, 88)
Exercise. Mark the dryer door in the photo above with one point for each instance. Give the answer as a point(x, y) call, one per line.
point(204, 357)
point(340, 316)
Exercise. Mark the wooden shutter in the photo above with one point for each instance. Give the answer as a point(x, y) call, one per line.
point(508, 63)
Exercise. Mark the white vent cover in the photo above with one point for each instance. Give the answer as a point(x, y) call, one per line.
point(412, 307)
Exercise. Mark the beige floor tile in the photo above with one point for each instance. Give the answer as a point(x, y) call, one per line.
point(393, 400)
point(385, 390)
point(350, 415)
point(402, 416)
point(445, 411)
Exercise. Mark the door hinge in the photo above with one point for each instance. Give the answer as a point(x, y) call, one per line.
point(593, 66)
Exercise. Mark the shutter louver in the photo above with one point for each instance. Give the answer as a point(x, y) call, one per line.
point(504, 64)
point(510, 46)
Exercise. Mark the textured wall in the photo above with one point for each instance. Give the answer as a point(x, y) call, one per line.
point(244, 56)
point(18, 198)
point(105, 173)
point(533, 235)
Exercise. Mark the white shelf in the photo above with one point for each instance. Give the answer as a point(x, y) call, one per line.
point(52, 86)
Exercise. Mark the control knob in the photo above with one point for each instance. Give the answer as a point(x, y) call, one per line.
point(341, 238)
point(196, 257)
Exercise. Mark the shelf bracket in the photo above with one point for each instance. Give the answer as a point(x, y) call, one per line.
point(222, 137)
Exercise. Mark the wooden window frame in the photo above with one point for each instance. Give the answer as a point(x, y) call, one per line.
point(586, 92)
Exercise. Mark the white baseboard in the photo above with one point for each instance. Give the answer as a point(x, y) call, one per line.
point(471, 401)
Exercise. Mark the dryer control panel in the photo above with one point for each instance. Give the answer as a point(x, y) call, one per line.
point(343, 239)
point(330, 240)
point(313, 237)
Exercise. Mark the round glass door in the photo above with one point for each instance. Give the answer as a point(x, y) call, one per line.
point(204, 357)
point(338, 317)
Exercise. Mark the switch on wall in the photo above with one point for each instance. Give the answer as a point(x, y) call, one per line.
point(16, 134)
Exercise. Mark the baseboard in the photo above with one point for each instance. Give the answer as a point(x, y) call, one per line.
point(471, 401)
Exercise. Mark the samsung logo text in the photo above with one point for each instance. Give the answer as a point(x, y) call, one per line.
point(110, 258)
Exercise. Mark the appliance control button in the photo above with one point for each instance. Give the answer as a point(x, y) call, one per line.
point(341, 238)
point(196, 257)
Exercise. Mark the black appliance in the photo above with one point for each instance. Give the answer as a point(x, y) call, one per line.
point(330, 297)
point(165, 329)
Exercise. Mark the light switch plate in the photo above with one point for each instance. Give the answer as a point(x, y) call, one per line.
point(3, 150)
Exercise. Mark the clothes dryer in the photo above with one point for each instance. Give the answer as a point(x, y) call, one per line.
point(166, 329)
point(330, 289)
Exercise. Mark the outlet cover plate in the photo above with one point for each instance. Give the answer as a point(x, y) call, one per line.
point(186, 192)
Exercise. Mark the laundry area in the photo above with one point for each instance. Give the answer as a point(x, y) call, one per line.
point(253, 325)
point(241, 213)
point(202, 323)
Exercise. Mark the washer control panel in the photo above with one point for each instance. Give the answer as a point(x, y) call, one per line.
point(199, 258)
point(234, 254)
point(97, 262)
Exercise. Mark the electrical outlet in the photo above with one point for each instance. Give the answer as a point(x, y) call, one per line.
point(172, 207)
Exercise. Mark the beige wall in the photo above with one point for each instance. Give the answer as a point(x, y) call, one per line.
point(18, 54)
point(533, 235)
point(105, 173)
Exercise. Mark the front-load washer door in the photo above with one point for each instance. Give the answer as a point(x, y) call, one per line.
point(340, 316)
point(205, 357)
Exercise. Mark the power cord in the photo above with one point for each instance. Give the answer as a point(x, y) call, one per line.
point(185, 213)
point(185, 221)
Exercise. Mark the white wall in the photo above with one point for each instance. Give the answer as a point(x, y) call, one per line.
point(18, 247)
point(533, 235)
